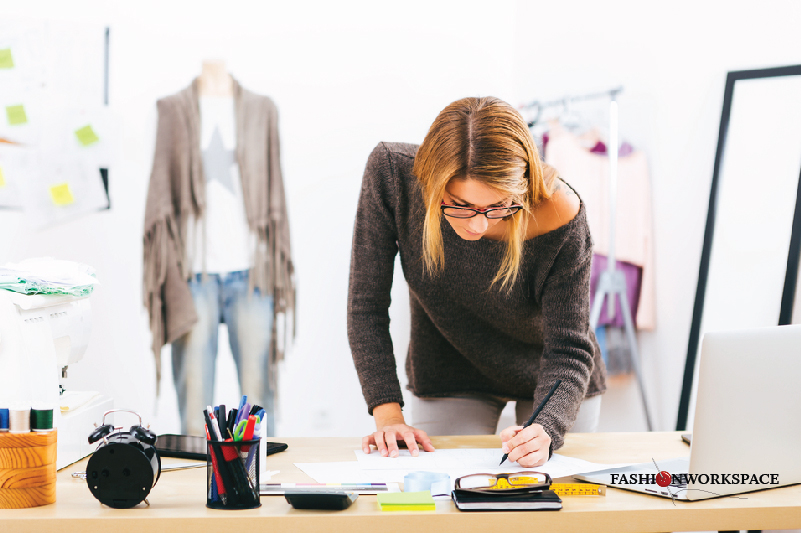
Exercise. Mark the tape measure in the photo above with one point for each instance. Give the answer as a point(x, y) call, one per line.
point(578, 489)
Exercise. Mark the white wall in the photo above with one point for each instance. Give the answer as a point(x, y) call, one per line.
point(672, 60)
point(347, 75)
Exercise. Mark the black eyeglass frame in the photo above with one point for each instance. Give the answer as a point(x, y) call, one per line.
point(545, 485)
point(486, 212)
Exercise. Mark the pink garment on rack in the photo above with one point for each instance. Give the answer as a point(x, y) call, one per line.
point(588, 173)
point(633, 276)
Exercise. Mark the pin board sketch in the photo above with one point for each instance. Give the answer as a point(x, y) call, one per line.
point(55, 132)
point(749, 263)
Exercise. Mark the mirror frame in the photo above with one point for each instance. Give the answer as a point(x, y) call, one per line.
point(794, 249)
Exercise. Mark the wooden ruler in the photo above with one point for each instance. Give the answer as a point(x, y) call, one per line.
point(578, 489)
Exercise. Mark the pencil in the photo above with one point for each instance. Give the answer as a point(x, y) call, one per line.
point(537, 411)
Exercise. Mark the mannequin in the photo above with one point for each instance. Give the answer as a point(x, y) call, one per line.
point(233, 241)
point(215, 80)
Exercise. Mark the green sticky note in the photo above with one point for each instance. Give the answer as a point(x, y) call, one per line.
point(2, 179)
point(406, 501)
point(86, 135)
point(61, 194)
point(16, 115)
point(6, 61)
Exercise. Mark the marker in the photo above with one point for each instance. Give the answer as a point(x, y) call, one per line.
point(537, 411)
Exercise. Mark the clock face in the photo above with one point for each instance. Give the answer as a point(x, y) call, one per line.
point(663, 478)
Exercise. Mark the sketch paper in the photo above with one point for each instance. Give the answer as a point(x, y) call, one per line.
point(472, 460)
point(456, 462)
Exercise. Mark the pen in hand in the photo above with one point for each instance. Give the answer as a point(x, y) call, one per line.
point(537, 410)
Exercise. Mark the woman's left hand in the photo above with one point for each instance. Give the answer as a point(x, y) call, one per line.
point(529, 447)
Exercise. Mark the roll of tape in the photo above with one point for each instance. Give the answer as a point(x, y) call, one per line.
point(438, 484)
point(3, 419)
point(19, 420)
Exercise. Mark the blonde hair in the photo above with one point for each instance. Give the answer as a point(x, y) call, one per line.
point(484, 139)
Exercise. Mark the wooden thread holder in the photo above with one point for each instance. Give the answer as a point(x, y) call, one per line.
point(27, 469)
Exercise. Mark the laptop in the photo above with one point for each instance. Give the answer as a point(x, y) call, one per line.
point(747, 421)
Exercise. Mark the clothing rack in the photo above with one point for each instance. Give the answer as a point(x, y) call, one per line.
point(612, 283)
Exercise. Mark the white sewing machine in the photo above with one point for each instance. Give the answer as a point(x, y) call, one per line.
point(40, 336)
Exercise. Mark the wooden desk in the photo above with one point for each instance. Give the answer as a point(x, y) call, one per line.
point(177, 503)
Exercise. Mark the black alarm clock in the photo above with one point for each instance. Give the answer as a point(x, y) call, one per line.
point(125, 466)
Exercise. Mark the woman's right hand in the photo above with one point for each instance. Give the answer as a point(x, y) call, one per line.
point(390, 426)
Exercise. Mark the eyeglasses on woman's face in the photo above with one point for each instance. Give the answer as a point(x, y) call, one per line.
point(457, 211)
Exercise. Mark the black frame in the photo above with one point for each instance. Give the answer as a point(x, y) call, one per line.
point(545, 485)
point(794, 250)
point(476, 212)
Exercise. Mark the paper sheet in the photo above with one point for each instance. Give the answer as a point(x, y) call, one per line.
point(474, 460)
point(455, 462)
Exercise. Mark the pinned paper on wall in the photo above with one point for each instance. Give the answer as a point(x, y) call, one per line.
point(6, 61)
point(61, 194)
point(16, 115)
point(2, 179)
point(86, 135)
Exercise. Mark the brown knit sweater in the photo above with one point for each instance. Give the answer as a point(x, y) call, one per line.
point(468, 337)
point(177, 191)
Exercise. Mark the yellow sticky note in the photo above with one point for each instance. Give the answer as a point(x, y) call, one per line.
point(86, 135)
point(2, 178)
point(61, 194)
point(6, 61)
point(16, 115)
point(407, 501)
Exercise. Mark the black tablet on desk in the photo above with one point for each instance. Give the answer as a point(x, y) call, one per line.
point(194, 447)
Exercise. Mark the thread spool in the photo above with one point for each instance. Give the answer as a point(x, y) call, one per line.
point(41, 420)
point(19, 420)
point(3, 419)
point(27, 470)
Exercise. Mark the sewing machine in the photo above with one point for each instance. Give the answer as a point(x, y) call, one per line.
point(40, 336)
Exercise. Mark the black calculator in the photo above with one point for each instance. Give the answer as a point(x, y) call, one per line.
point(321, 499)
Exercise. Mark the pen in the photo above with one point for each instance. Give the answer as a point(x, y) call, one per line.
point(242, 403)
point(242, 486)
point(250, 434)
point(210, 435)
point(222, 421)
point(250, 425)
point(230, 477)
point(243, 413)
point(537, 411)
point(232, 421)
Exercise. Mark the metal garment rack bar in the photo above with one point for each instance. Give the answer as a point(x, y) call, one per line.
point(612, 282)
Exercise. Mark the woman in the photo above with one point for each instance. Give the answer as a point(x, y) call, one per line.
point(496, 252)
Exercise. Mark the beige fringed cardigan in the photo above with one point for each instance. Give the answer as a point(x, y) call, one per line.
point(178, 190)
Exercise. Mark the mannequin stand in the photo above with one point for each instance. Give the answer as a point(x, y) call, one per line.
point(611, 285)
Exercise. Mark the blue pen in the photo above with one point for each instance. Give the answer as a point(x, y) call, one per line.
point(242, 402)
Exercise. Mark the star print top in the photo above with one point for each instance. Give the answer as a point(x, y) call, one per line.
point(228, 238)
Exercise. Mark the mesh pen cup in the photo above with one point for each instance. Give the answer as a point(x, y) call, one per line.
point(232, 475)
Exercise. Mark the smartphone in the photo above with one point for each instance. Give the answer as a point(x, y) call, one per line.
point(192, 447)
